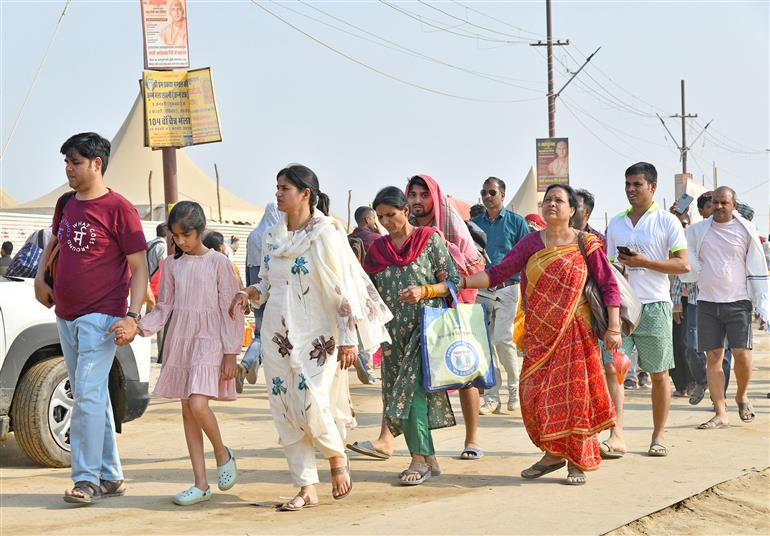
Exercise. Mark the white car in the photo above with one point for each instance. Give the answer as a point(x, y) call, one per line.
point(35, 395)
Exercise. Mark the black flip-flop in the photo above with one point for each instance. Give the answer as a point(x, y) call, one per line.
point(746, 412)
point(367, 449)
point(90, 493)
point(714, 423)
point(542, 469)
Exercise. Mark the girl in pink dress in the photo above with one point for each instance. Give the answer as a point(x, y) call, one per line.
point(202, 343)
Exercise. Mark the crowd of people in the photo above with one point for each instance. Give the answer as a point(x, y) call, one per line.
point(325, 301)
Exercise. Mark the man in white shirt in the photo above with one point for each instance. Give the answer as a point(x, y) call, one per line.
point(727, 261)
point(654, 244)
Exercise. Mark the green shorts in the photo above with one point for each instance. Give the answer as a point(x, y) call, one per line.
point(652, 339)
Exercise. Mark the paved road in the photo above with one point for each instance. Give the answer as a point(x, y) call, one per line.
point(470, 497)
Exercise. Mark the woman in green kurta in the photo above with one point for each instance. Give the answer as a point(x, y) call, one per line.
point(405, 267)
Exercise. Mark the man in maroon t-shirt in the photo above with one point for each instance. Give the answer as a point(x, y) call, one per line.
point(99, 239)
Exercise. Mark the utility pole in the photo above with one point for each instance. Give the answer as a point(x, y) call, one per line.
point(170, 189)
point(684, 116)
point(549, 44)
point(683, 148)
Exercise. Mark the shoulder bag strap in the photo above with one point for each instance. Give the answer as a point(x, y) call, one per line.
point(582, 246)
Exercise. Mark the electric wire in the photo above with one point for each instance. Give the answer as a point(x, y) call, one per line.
point(34, 79)
point(436, 24)
point(383, 73)
point(500, 21)
point(392, 45)
point(598, 138)
point(469, 23)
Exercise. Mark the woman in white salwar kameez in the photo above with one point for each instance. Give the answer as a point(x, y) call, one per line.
point(315, 295)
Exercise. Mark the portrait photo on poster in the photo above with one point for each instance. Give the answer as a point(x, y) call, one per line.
point(552, 162)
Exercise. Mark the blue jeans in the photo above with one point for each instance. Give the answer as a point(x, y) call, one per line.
point(253, 353)
point(696, 359)
point(89, 351)
point(252, 275)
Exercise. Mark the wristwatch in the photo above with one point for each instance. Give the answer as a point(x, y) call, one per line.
point(136, 316)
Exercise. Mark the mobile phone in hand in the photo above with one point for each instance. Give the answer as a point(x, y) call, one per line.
point(683, 203)
point(624, 250)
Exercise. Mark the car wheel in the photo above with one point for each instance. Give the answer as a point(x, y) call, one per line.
point(42, 411)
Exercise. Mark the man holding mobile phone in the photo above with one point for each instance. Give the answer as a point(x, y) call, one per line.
point(651, 243)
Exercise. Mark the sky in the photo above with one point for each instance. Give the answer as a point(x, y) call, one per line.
point(379, 110)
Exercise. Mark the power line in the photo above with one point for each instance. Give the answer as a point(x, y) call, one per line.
point(392, 45)
point(630, 108)
point(763, 182)
point(611, 128)
point(490, 17)
point(731, 145)
point(612, 81)
point(34, 79)
point(569, 109)
point(469, 23)
point(436, 24)
point(615, 104)
point(383, 73)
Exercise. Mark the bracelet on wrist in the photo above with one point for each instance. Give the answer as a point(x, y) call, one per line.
point(614, 331)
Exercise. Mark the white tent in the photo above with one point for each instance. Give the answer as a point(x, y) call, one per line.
point(128, 172)
point(6, 200)
point(526, 200)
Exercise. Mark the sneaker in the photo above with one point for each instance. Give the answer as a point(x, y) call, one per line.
point(697, 394)
point(251, 375)
point(489, 407)
point(513, 398)
point(239, 379)
point(644, 380)
point(630, 385)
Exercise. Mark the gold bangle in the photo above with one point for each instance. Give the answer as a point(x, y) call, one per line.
point(614, 331)
point(431, 292)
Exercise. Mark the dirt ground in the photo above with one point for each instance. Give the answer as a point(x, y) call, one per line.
point(633, 495)
point(738, 506)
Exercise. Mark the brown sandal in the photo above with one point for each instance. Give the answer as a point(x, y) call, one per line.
point(112, 488)
point(342, 471)
point(89, 493)
point(291, 507)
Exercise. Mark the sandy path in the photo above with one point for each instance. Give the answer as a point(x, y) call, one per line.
point(480, 497)
point(739, 506)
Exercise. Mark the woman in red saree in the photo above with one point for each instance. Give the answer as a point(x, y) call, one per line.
point(563, 391)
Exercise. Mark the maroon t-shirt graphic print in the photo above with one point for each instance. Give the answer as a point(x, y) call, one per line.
point(94, 238)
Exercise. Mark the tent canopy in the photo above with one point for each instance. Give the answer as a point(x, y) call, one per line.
point(526, 200)
point(128, 173)
point(6, 200)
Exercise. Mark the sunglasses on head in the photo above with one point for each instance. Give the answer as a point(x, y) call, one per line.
point(491, 193)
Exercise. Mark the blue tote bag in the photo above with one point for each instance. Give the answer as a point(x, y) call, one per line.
point(456, 350)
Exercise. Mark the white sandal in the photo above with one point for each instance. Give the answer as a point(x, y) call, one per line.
point(192, 495)
point(228, 473)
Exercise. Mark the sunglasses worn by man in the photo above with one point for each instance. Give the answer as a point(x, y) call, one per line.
point(491, 193)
